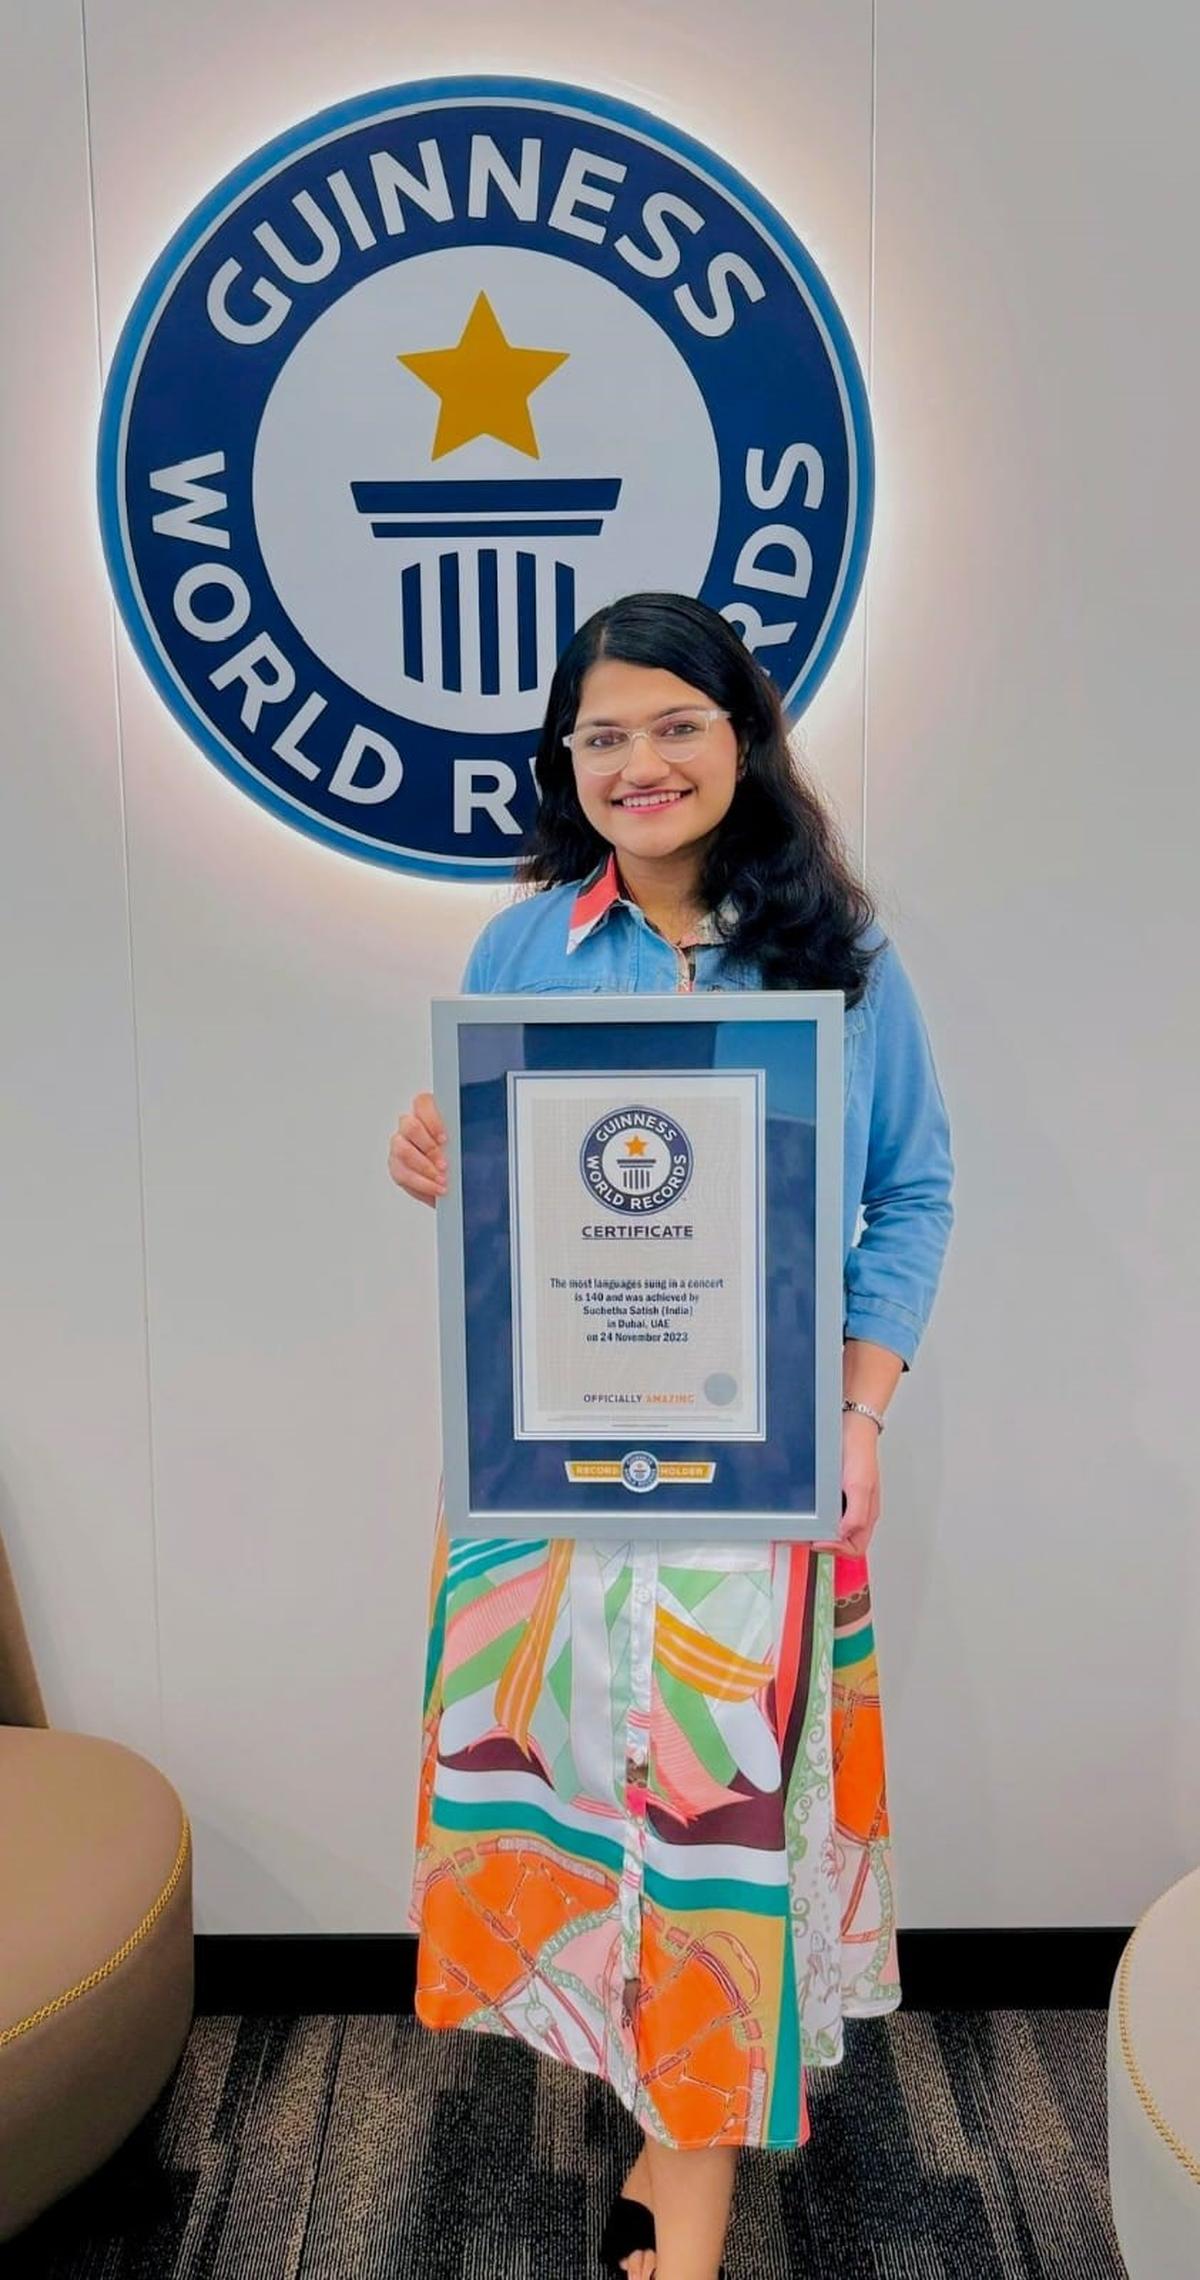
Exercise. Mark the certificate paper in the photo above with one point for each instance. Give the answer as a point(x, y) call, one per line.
point(636, 1206)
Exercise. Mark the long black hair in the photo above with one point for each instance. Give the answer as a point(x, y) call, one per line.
point(777, 854)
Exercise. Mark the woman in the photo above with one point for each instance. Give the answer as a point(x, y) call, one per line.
point(652, 1835)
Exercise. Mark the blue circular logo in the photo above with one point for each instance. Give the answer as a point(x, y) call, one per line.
point(639, 1471)
point(636, 1162)
point(419, 386)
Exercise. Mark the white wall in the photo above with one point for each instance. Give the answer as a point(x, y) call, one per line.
point(1031, 795)
point(217, 1443)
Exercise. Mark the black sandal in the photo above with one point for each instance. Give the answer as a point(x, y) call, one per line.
point(629, 2226)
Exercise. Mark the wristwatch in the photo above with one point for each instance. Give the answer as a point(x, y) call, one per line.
point(865, 1409)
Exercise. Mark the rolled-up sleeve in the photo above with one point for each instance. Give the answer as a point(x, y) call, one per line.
point(892, 1272)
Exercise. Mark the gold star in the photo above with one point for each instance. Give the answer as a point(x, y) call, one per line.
point(636, 1147)
point(484, 384)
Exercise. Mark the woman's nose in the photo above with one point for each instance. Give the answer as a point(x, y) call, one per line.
point(642, 762)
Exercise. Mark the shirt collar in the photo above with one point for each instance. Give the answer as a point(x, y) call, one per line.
point(604, 891)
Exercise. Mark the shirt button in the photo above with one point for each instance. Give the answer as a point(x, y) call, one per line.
point(637, 1770)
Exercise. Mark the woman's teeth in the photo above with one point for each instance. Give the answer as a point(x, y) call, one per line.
point(649, 799)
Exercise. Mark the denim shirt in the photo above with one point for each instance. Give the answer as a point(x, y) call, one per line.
point(898, 1170)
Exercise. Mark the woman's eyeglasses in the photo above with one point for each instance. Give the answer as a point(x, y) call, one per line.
point(603, 750)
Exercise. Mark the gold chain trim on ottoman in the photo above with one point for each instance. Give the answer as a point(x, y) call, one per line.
point(1186, 2159)
point(94, 1978)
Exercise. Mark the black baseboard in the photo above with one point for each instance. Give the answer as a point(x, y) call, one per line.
point(300, 1972)
point(1059, 1968)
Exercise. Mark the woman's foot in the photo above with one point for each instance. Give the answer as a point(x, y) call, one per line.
point(641, 2262)
point(693, 2190)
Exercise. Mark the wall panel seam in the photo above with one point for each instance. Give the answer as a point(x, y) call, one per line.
point(136, 1055)
point(870, 359)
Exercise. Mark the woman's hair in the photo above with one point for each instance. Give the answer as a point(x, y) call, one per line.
point(777, 854)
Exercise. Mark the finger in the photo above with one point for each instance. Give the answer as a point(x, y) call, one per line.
point(425, 1191)
point(415, 1173)
point(857, 1513)
point(864, 1529)
point(408, 1157)
point(418, 1136)
point(426, 1107)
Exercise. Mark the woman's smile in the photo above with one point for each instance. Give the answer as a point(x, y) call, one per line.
point(634, 801)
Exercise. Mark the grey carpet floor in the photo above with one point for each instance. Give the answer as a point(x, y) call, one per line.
point(947, 2146)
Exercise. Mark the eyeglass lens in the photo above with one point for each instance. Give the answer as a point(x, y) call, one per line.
point(604, 749)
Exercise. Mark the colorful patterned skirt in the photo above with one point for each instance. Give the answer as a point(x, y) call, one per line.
point(652, 1835)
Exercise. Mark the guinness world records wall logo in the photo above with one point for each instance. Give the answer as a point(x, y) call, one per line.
point(416, 388)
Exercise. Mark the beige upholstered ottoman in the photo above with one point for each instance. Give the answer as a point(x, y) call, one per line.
point(1154, 2090)
point(95, 1939)
point(96, 1947)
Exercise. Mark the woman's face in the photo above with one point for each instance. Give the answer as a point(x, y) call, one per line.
point(660, 799)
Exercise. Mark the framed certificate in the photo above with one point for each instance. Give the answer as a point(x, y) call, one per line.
point(640, 1265)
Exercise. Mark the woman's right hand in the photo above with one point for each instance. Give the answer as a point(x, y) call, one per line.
point(417, 1151)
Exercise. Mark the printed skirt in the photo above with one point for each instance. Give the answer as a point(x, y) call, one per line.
point(651, 1830)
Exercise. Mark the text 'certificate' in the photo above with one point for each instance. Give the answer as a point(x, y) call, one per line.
point(636, 1206)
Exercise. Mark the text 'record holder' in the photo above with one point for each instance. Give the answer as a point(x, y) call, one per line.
point(640, 1265)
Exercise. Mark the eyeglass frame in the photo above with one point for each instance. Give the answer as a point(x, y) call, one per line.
point(710, 713)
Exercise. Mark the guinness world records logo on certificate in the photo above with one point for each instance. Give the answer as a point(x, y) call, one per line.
point(640, 1268)
point(636, 1161)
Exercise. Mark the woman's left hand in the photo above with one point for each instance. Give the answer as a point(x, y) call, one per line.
point(860, 1483)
